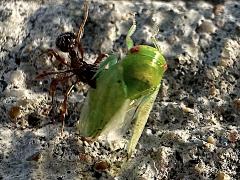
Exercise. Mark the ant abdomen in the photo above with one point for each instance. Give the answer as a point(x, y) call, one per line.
point(65, 41)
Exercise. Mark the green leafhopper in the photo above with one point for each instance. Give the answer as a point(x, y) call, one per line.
point(123, 86)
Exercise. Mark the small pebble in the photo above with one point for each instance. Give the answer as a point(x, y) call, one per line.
point(213, 91)
point(233, 136)
point(18, 78)
point(212, 73)
point(206, 27)
point(210, 147)
point(223, 176)
point(218, 9)
point(211, 140)
point(171, 39)
point(101, 165)
point(35, 157)
point(186, 109)
point(226, 62)
point(149, 132)
point(236, 104)
point(85, 158)
point(14, 112)
point(220, 23)
point(200, 167)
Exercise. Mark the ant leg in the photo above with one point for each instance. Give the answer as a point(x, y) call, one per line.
point(81, 29)
point(53, 87)
point(100, 58)
point(40, 76)
point(64, 106)
point(110, 61)
point(52, 90)
point(53, 53)
point(54, 83)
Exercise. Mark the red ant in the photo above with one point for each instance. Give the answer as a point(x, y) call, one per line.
point(70, 43)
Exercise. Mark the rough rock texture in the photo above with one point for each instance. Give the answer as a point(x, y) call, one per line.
point(193, 130)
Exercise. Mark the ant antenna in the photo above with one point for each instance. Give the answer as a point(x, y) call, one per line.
point(81, 28)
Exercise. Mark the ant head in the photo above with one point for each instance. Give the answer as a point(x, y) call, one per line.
point(65, 41)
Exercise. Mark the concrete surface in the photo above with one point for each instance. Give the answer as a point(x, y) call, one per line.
point(193, 130)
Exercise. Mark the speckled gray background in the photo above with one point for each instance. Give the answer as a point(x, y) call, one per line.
point(193, 130)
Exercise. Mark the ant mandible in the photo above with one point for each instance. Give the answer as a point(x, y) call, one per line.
point(69, 42)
